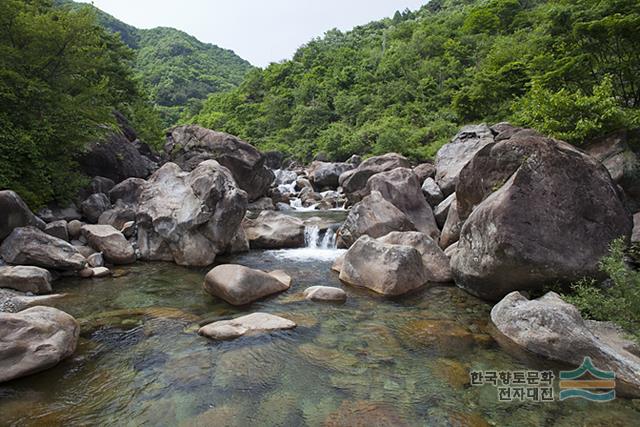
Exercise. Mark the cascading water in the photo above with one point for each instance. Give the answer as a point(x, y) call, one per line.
point(312, 238)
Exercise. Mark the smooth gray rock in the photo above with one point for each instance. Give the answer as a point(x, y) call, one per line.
point(401, 187)
point(189, 217)
point(31, 246)
point(326, 174)
point(240, 285)
point(432, 192)
point(35, 339)
point(442, 210)
point(325, 294)
point(354, 182)
point(251, 324)
point(274, 230)
point(374, 216)
point(114, 246)
point(434, 260)
point(384, 268)
point(554, 329)
point(452, 157)
point(26, 279)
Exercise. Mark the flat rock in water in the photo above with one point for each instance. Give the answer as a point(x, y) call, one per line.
point(251, 324)
point(240, 285)
point(325, 293)
point(112, 243)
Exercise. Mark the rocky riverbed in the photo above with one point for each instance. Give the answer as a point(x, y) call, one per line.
point(228, 287)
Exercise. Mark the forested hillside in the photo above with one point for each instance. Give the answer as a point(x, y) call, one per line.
point(177, 70)
point(61, 77)
point(568, 68)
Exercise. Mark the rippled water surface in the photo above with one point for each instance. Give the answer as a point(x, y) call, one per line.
point(366, 362)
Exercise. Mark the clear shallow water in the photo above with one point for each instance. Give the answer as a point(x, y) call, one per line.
point(140, 361)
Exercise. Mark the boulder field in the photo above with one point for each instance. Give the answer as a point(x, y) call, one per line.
point(500, 210)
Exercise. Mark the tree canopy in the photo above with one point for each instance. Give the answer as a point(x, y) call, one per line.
point(61, 77)
point(569, 68)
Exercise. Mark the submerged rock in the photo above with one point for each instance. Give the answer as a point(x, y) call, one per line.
point(34, 340)
point(384, 268)
point(26, 279)
point(374, 216)
point(14, 301)
point(274, 230)
point(15, 213)
point(325, 293)
point(251, 324)
point(188, 146)
point(438, 336)
point(110, 242)
point(551, 219)
point(365, 413)
point(240, 285)
point(554, 329)
point(189, 218)
point(31, 246)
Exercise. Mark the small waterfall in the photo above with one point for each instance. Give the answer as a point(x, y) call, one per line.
point(312, 238)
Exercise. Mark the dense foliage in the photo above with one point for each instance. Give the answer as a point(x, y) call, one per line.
point(617, 301)
point(568, 67)
point(61, 77)
point(177, 70)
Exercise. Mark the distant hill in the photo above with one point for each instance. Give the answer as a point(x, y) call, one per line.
point(178, 70)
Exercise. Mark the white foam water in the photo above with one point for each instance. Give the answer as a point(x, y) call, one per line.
point(316, 248)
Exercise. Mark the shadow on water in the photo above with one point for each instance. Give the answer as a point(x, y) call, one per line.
point(369, 361)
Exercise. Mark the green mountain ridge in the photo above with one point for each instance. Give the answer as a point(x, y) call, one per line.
point(177, 70)
point(407, 83)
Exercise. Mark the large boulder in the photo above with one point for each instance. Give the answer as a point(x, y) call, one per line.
point(551, 219)
point(274, 230)
point(434, 260)
point(451, 229)
point(452, 157)
point(26, 279)
point(189, 217)
point(401, 187)
point(94, 206)
point(240, 285)
point(31, 246)
point(188, 146)
point(114, 246)
point(14, 213)
point(116, 158)
point(326, 175)
point(554, 329)
point(35, 339)
point(384, 268)
point(424, 171)
point(354, 182)
point(251, 324)
point(374, 216)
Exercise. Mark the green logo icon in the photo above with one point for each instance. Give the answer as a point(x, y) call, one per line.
point(588, 382)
